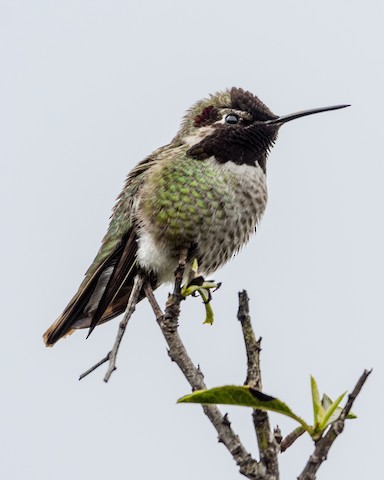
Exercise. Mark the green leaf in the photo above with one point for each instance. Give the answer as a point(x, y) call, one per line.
point(204, 293)
point(203, 289)
point(209, 317)
point(331, 413)
point(242, 396)
point(318, 410)
point(333, 410)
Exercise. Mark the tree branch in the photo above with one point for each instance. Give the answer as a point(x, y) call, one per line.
point(268, 445)
point(248, 466)
point(325, 443)
point(112, 355)
point(252, 346)
point(269, 442)
point(287, 441)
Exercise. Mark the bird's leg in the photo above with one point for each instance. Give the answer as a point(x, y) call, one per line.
point(198, 285)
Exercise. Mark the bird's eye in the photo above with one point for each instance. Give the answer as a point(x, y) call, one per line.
point(232, 119)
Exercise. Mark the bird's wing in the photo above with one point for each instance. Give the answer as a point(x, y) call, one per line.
point(123, 273)
point(105, 290)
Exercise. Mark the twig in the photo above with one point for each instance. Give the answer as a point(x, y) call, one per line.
point(168, 325)
point(291, 438)
point(172, 308)
point(112, 355)
point(252, 346)
point(324, 444)
point(97, 365)
point(268, 446)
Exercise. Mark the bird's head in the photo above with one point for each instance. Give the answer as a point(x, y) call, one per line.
point(235, 126)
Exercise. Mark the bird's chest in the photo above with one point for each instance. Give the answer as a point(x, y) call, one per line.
point(190, 201)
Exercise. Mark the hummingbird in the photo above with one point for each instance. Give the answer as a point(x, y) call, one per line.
point(204, 193)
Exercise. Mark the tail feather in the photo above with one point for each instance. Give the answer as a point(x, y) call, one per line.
point(101, 296)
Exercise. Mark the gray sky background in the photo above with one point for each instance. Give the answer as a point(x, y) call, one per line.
point(88, 89)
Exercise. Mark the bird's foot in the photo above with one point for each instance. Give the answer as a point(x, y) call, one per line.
point(198, 285)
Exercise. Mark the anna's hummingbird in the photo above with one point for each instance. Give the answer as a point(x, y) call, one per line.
point(205, 192)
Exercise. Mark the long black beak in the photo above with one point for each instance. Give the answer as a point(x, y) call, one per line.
point(304, 113)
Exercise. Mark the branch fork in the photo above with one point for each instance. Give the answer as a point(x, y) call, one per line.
point(270, 443)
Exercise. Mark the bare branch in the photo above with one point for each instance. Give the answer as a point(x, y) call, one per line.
point(252, 346)
point(268, 446)
point(270, 443)
point(97, 365)
point(291, 438)
point(168, 325)
point(112, 355)
point(325, 443)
